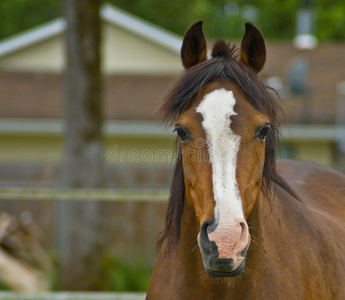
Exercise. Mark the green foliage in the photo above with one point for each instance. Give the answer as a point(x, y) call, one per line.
point(124, 275)
point(222, 18)
point(278, 18)
point(4, 286)
point(19, 15)
point(331, 21)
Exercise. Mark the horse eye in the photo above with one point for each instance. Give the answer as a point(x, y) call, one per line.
point(263, 132)
point(182, 133)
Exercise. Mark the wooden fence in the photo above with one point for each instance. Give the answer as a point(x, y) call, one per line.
point(83, 194)
point(71, 296)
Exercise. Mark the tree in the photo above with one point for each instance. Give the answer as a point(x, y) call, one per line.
point(79, 223)
point(20, 15)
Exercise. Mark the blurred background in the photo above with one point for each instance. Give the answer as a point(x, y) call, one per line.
point(85, 164)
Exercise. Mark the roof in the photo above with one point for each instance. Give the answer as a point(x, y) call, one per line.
point(32, 36)
point(141, 27)
point(109, 14)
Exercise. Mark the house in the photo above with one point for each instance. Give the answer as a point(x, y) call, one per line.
point(140, 60)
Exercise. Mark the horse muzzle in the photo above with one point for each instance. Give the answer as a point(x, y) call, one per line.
point(225, 256)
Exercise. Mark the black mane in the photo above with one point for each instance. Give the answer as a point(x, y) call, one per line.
point(224, 65)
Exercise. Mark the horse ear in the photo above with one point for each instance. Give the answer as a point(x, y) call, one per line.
point(253, 49)
point(193, 49)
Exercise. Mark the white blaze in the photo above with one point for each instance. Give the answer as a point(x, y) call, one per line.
point(223, 144)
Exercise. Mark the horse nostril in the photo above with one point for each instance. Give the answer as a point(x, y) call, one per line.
point(205, 243)
point(244, 228)
point(244, 238)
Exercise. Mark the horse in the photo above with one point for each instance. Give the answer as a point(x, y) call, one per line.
point(239, 223)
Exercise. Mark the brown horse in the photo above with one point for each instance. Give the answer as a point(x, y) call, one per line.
point(240, 225)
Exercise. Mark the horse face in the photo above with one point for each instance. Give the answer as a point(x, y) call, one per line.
point(223, 152)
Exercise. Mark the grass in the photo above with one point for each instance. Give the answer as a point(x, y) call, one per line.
point(125, 275)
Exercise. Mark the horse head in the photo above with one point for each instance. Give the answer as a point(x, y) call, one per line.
point(223, 140)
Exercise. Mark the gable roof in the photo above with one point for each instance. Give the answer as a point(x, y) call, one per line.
point(109, 13)
point(142, 28)
point(31, 37)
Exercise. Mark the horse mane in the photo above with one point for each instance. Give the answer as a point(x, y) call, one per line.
point(224, 65)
